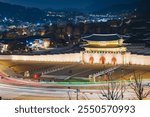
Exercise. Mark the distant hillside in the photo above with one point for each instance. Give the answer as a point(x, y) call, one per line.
point(118, 8)
point(115, 9)
point(144, 8)
point(20, 12)
point(34, 14)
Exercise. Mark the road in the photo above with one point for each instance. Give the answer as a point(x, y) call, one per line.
point(11, 88)
point(8, 91)
point(12, 92)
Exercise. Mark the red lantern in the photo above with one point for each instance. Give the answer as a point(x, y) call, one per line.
point(36, 76)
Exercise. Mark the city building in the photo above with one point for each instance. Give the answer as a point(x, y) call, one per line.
point(3, 47)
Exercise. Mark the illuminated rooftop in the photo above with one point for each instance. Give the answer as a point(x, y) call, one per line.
point(102, 37)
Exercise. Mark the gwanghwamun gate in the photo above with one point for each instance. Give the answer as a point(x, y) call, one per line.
point(98, 49)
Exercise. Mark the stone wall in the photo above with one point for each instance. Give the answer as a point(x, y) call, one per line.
point(137, 59)
point(73, 57)
point(92, 58)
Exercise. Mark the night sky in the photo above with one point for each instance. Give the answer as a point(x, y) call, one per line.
point(58, 4)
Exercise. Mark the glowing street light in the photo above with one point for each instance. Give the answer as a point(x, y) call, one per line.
point(69, 35)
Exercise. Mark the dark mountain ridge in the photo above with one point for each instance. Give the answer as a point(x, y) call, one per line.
point(29, 14)
point(20, 12)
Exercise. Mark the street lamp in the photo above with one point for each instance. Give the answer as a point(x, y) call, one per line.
point(69, 35)
point(69, 93)
point(77, 91)
point(122, 73)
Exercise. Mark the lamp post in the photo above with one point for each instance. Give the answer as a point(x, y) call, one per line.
point(77, 91)
point(69, 93)
point(69, 36)
point(122, 73)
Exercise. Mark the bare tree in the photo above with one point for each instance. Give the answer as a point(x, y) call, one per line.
point(113, 90)
point(138, 87)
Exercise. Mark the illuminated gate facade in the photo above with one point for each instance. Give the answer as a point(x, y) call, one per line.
point(114, 60)
point(91, 60)
point(102, 60)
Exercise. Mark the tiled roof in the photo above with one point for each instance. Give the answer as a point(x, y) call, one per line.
point(102, 37)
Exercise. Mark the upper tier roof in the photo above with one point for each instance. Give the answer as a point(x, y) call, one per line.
point(102, 37)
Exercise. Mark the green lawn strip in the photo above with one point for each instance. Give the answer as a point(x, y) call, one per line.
point(76, 81)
